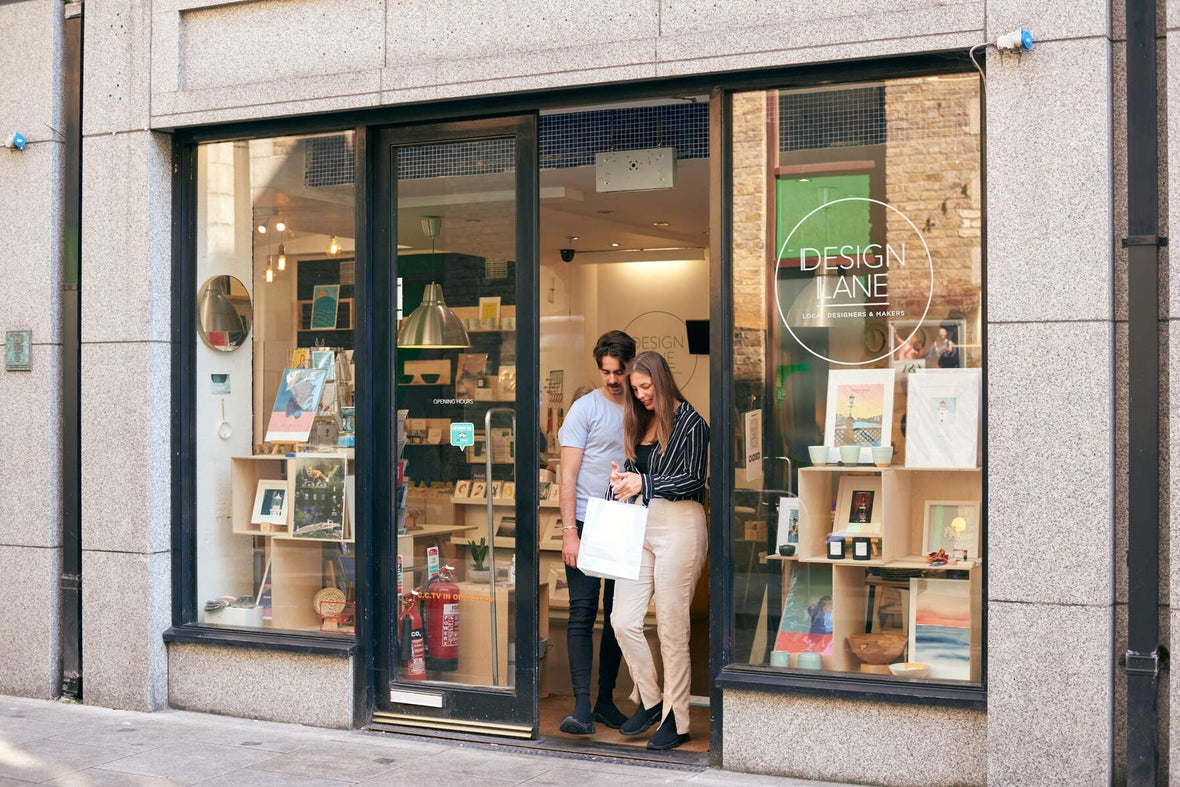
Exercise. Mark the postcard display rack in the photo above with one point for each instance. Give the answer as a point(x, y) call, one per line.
point(889, 547)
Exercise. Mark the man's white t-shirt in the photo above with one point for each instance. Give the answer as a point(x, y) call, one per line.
point(594, 424)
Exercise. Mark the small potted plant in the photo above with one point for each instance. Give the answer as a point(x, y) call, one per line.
point(479, 553)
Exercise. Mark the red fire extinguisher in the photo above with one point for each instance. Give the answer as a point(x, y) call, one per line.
point(412, 640)
point(442, 621)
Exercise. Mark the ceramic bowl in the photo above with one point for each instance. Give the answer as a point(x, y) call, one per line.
point(430, 379)
point(877, 648)
point(910, 669)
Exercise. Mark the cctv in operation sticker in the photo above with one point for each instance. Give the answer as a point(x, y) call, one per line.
point(846, 284)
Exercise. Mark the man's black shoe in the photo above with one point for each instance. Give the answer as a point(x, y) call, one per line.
point(608, 713)
point(572, 726)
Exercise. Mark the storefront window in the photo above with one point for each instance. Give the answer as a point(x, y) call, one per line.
point(858, 508)
point(275, 425)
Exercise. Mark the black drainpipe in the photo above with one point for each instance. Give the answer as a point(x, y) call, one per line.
point(71, 365)
point(1143, 241)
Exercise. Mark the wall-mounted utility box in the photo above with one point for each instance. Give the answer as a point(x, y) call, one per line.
point(636, 170)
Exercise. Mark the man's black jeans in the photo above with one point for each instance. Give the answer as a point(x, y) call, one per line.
point(579, 636)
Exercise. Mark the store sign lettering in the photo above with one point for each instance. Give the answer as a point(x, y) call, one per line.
point(850, 282)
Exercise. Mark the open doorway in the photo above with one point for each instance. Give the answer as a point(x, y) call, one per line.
point(624, 209)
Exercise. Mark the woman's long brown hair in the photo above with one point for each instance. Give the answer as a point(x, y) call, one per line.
point(637, 418)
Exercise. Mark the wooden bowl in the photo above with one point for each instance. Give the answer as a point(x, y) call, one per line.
point(877, 648)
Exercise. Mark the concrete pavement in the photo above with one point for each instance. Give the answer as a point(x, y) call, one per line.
point(78, 745)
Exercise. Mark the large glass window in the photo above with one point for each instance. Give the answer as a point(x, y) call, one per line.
point(275, 424)
point(858, 507)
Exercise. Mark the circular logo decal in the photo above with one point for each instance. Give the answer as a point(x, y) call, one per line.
point(665, 333)
point(849, 282)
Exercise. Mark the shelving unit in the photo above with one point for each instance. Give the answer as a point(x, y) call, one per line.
point(903, 492)
point(296, 564)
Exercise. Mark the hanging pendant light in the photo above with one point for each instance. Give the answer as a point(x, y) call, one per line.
point(281, 262)
point(432, 324)
point(270, 271)
point(333, 246)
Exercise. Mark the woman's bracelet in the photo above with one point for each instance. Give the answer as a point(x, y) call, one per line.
point(569, 527)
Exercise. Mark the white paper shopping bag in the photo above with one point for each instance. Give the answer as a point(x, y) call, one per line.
point(612, 539)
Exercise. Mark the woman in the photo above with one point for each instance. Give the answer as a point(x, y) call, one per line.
point(667, 445)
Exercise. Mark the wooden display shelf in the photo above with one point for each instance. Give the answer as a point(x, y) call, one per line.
point(902, 497)
point(245, 473)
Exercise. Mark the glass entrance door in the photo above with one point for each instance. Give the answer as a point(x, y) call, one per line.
point(456, 224)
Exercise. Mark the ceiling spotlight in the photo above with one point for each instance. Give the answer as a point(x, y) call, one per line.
point(615, 245)
point(659, 224)
point(261, 229)
point(280, 227)
point(574, 237)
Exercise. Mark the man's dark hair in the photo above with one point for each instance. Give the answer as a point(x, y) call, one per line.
point(617, 345)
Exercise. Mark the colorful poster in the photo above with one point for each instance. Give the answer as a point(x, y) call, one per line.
point(806, 624)
point(295, 406)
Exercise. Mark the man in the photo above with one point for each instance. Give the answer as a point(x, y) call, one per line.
point(591, 438)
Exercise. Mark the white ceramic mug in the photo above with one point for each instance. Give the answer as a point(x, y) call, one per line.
point(818, 454)
point(882, 455)
point(850, 454)
point(780, 658)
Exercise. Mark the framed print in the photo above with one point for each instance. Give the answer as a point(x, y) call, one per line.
point(508, 491)
point(326, 360)
point(942, 418)
point(295, 406)
point(940, 626)
point(952, 525)
point(909, 340)
point(301, 358)
point(479, 489)
point(507, 382)
point(489, 312)
point(553, 494)
point(325, 300)
point(788, 522)
point(462, 489)
point(318, 510)
point(858, 506)
point(506, 526)
point(470, 369)
point(270, 503)
point(859, 409)
point(496, 489)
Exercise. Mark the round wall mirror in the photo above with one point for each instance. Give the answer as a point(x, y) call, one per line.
point(224, 313)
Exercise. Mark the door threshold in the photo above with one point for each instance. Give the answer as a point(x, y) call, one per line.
point(689, 761)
